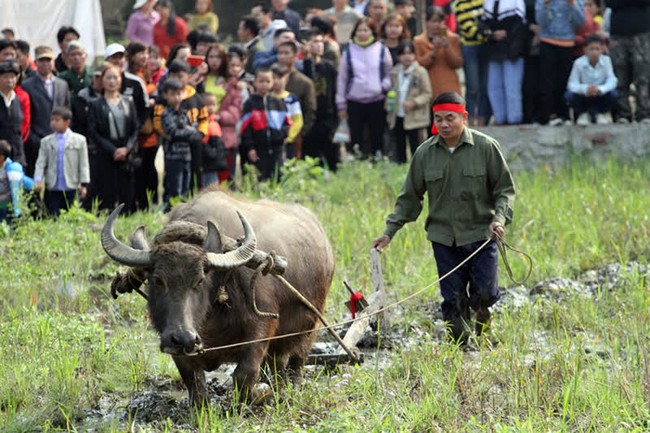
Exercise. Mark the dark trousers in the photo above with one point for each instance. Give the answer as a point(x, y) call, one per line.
point(269, 165)
point(531, 89)
point(146, 178)
point(318, 144)
point(480, 273)
point(631, 60)
point(591, 104)
point(94, 187)
point(56, 201)
point(6, 214)
point(371, 115)
point(555, 68)
point(400, 135)
point(116, 186)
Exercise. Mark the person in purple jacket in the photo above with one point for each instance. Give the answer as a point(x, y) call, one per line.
point(362, 84)
point(139, 28)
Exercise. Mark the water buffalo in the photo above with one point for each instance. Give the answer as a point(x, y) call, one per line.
point(199, 292)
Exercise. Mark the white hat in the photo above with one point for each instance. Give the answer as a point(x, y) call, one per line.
point(139, 3)
point(113, 49)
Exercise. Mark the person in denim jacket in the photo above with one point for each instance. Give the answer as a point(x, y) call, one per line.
point(558, 21)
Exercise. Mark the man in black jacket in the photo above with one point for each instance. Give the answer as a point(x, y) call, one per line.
point(630, 50)
point(11, 113)
point(318, 141)
point(46, 91)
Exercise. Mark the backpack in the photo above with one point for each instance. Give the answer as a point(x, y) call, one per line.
point(348, 57)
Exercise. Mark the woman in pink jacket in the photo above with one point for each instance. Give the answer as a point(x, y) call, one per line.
point(229, 115)
point(362, 84)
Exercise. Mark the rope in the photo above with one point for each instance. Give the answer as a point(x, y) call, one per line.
point(330, 328)
point(264, 268)
point(503, 247)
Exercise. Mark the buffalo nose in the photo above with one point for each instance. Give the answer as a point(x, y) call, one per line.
point(187, 340)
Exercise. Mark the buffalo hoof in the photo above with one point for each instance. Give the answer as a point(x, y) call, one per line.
point(260, 393)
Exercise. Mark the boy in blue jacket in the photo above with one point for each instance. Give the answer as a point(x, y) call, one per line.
point(12, 180)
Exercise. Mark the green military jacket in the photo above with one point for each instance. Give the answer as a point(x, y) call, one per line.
point(467, 189)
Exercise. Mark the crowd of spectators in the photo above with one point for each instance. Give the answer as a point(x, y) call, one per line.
point(288, 83)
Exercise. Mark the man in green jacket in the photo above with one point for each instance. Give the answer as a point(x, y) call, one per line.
point(471, 195)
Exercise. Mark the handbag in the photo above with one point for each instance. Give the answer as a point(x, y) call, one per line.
point(342, 133)
point(133, 160)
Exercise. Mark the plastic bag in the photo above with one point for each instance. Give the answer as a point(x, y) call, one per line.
point(342, 133)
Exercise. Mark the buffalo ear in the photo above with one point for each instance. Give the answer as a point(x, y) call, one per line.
point(213, 241)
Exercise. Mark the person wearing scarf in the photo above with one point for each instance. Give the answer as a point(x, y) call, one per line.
point(470, 197)
point(362, 83)
point(504, 25)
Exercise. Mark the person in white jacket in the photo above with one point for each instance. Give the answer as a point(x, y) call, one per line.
point(591, 90)
point(62, 166)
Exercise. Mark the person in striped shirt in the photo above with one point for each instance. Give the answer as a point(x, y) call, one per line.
point(468, 14)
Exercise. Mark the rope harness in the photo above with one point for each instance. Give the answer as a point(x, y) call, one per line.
point(265, 268)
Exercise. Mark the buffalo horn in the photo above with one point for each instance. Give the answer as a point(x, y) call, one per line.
point(238, 257)
point(213, 241)
point(139, 239)
point(119, 251)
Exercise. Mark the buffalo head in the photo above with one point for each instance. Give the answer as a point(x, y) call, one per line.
point(181, 274)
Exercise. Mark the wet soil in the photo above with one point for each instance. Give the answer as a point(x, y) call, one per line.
point(165, 398)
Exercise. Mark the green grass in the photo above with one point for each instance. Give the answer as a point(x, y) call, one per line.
point(572, 365)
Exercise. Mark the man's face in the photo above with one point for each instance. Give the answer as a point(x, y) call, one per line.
point(285, 37)
point(279, 5)
point(77, 59)
point(138, 60)
point(23, 60)
point(449, 123)
point(286, 56)
point(262, 19)
point(44, 66)
point(7, 82)
point(8, 53)
point(242, 32)
point(117, 59)
point(594, 50)
point(66, 40)
point(339, 4)
point(317, 45)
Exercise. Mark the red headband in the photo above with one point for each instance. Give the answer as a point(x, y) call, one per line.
point(448, 106)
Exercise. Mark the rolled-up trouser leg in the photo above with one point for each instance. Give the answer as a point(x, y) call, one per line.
point(480, 273)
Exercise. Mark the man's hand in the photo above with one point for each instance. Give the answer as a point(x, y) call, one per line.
point(83, 192)
point(120, 154)
point(499, 35)
point(252, 155)
point(592, 91)
point(497, 230)
point(343, 114)
point(380, 242)
point(38, 186)
point(408, 105)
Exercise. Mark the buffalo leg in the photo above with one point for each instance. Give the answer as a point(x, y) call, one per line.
point(194, 380)
point(247, 372)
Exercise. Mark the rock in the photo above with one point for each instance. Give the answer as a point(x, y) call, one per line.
point(528, 147)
